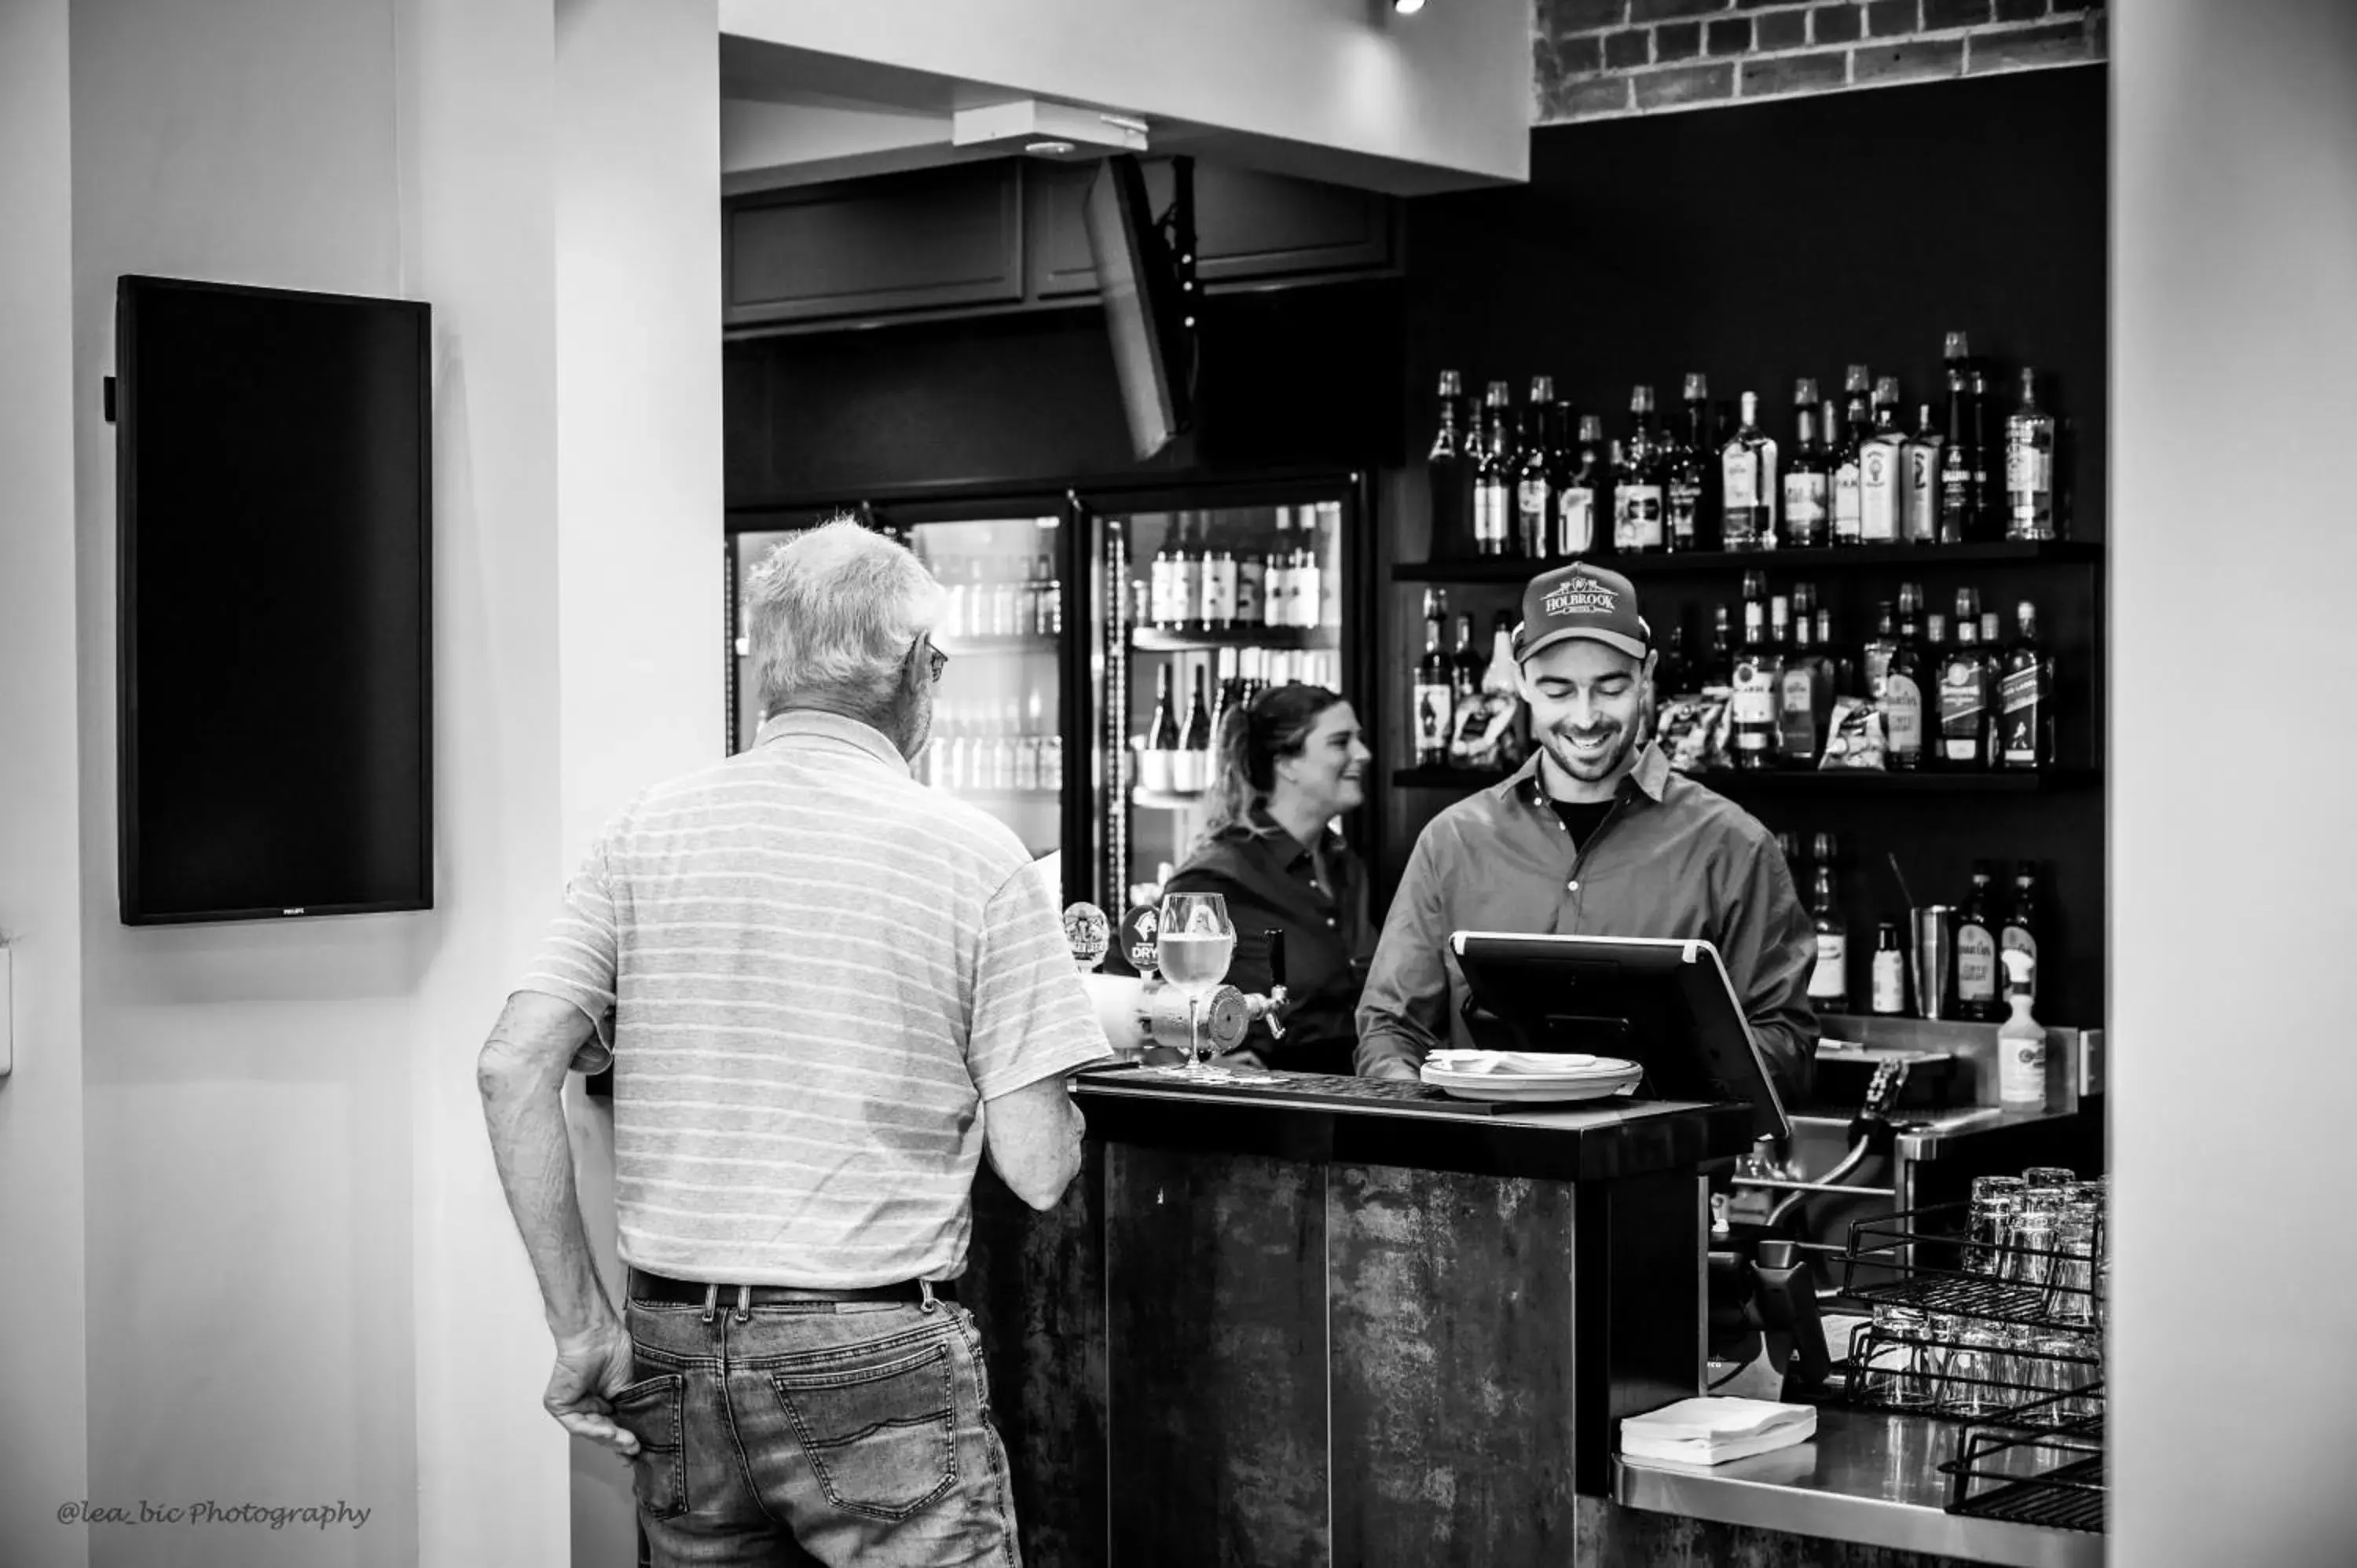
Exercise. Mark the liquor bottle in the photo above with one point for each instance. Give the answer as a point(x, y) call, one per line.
point(1674, 675)
point(1901, 697)
point(1964, 691)
point(1685, 470)
point(1225, 681)
point(1467, 666)
point(1005, 747)
point(1309, 589)
point(1719, 670)
point(1838, 674)
point(2025, 725)
point(1493, 479)
point(1187, 588)
point(2025, 925)
point(1486, 735)
point(1985, 523)
point(1163, 735)
point(1751, 711)
point(1829, 979)
point(1435, 700)
point(1882, 470)
point(2029, 465)
point(1639, 521)
point(1955, 524)
point(1748, 476)
point(1889, 971)
point(1921, 524)
point(1875, 657)
point(1533, 488)
point(1198, 715)
point(1583, 495)
point(1252, 587)
point(1806, 524)
point(1276, 581)
point(1449, 466)
point(1847, 498)
point(1026, 758)
point(1977, 966)
point(1218, 612)
point(1801, 716)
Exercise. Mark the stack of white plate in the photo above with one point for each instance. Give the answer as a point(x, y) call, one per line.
point(1529, 1075)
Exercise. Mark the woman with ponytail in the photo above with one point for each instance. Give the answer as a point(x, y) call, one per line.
point(1291, 761)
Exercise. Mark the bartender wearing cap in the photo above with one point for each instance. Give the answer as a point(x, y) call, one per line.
point(1594, 835)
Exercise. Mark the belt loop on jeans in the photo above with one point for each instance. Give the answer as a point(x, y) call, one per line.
point(925, 1296)
point(744, 1304)
point(711, 1303)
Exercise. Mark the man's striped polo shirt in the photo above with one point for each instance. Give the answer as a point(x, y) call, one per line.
point(818, 969)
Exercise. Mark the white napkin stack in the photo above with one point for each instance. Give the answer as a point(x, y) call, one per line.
point(1714, 1430)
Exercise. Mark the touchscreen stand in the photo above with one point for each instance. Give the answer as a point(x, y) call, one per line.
point(1665, 1005)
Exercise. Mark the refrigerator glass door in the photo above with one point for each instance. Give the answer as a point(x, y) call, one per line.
point(998, 721)
point(1194, 609)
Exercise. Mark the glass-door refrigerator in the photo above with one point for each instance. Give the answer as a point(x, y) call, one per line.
point(1196, 599)
point(999, 733)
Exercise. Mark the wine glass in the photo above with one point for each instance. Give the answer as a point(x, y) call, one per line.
point(1192, 945)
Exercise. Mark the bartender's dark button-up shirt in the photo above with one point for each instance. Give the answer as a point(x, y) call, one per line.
point(1672, 859)
point(1319, 901)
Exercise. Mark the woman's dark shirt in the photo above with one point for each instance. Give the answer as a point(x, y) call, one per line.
point(1320, 902)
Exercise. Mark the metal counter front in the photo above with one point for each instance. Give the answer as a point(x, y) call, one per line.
point(1870, 1479)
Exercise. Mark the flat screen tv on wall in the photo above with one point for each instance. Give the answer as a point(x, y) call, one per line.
point(274, 495)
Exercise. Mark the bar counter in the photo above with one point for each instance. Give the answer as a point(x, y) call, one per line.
point(1329, 1322)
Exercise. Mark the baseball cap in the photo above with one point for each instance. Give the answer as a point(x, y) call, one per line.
point(1581, 600)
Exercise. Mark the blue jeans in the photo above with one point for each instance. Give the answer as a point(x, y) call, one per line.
point(830, 1433)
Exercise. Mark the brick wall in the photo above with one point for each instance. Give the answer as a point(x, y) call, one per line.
point(1598, 59)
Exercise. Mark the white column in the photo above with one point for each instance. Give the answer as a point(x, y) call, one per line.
point(45, 1413)
point(478, 157)
point(638, 485)
point(2235, 855)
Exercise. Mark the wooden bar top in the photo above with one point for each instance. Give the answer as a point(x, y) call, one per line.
point(1354, 1120)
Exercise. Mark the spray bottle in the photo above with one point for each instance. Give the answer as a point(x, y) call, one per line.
point(2020, 1039)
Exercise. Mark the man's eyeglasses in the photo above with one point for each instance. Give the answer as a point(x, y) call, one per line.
point(937, 661)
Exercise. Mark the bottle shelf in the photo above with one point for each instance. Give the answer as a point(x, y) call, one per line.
point(996, 799)
point(1155, 640)
point(1168, 800)
point(1816, 561)
point(961, 647)
point(1807, 782)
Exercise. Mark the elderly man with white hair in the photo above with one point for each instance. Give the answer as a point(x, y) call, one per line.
point(827, 991)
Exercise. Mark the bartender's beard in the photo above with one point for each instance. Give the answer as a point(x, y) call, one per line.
point(1596, 764)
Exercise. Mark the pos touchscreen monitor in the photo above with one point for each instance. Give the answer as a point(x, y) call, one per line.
point(1663, 1004)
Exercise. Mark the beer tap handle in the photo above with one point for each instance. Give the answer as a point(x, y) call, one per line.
point(1275, 985)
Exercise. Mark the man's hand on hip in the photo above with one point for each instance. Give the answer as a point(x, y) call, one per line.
point(590, 1369)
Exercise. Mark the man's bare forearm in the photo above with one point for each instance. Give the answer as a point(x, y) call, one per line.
point(524, 1101)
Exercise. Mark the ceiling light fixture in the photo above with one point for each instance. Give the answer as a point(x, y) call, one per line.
point(1407, 7)
point(1048, 149)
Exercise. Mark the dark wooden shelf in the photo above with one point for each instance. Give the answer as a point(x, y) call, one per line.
point(1801, 781)
point(1819, 561)
point(1154, 640)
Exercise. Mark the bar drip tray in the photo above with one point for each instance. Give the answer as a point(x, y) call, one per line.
point(1311, 1088)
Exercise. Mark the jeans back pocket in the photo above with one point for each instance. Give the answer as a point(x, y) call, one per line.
point(650, 1411)
point(882, 1438)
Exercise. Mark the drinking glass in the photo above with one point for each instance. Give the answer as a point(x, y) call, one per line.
point(1193, 943)
point(1900, 1368)
point(1971, 1386)
point(2076, 1227)
point(2049, 1175)
point(1994, 1198)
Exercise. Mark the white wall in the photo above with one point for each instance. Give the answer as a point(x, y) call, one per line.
point(2234, 894)
point(247, 1109)
point(44, 1404)
point(1449, 89)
